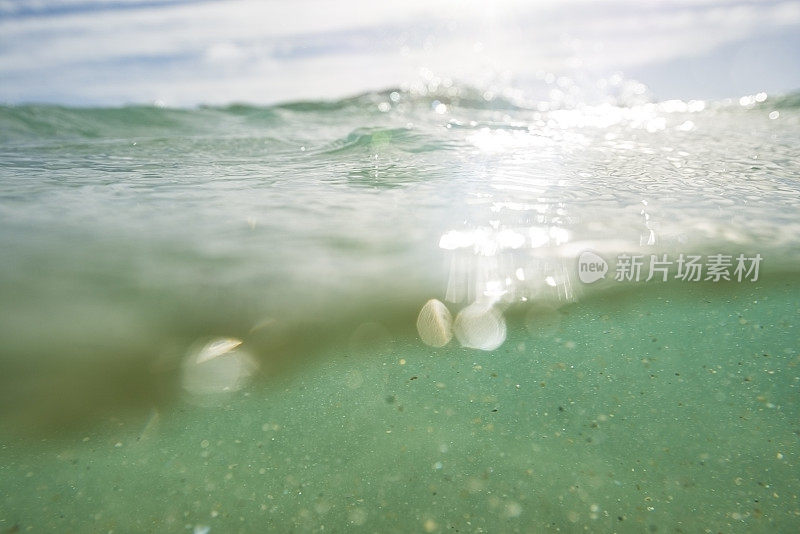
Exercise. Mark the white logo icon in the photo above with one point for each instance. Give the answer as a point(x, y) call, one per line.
point(591, 267)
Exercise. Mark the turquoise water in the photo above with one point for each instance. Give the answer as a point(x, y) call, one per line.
point(209, 316)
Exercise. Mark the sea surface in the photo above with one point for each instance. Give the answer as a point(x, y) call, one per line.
point(220, 319)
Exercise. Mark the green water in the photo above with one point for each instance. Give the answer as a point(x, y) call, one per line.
point(661, 412)
point(207, 317)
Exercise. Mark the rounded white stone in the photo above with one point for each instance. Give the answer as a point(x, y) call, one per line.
point(435, 324)
point(480, 326)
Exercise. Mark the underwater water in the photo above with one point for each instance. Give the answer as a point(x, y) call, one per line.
point(211, 318)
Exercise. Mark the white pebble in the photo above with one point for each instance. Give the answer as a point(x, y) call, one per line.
point(435, 324)
point(215, 348)
point(480, 326)
point(219, 366)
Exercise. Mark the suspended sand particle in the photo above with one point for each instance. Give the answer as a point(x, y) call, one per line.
point(357, 516)
point(513, 509)
point(435, 324)
point(480, 326)
point(354, 379)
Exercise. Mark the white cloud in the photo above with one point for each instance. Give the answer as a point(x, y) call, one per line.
point(218, 51)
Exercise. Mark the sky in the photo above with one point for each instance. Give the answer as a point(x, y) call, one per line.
point(190, 52)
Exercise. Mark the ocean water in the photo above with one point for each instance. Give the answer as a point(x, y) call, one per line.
point(215, 319)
